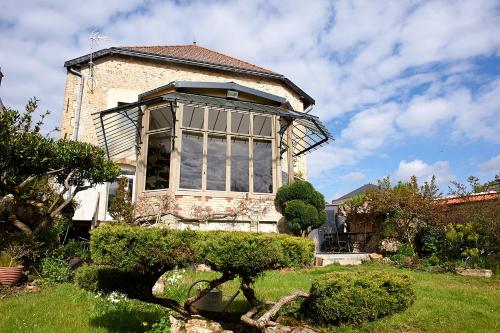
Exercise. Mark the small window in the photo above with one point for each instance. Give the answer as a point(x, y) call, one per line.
point(158, 161)
point(262, 125)
point(161, 118)
point(193, 117)
point(239, 122)
point(191, 160)
point(217, 120)
point(239, 165)
point(262, 166)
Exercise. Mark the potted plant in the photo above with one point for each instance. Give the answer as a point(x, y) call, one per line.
point(10, 268)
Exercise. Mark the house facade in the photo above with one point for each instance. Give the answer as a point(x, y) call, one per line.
point(205, 128)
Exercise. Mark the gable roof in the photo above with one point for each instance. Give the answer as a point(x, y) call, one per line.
point(359, 190)
point(195, 55)
point(198, 53)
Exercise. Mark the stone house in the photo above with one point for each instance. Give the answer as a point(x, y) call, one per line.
point(206, 128)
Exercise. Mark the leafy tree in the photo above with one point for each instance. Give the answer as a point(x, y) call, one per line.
point(402, 208)
point(473, 186)
point(302, 206)
point(40, 176)
point(121, 207)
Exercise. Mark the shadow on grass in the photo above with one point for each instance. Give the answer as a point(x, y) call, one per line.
point(127, 320)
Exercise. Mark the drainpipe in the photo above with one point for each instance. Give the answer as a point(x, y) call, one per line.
point(78, 103)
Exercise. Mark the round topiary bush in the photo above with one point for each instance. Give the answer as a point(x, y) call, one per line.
point(344, 297)
point(300, 215)
point(302, 206)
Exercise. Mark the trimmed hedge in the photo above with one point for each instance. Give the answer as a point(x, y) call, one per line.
point(139, 256)
point(106, 279)
point(344, 297)
point(142, 250)
point(297, 251)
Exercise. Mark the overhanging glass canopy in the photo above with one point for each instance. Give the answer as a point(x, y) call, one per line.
point(119, 129)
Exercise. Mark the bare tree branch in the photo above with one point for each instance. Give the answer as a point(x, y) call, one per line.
point(265, 319)
point(212, 284)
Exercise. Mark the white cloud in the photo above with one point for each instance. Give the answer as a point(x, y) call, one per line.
point(370, 129)
point(386, 69)
point(353, 176)
point(492, 165)
point(424, 171)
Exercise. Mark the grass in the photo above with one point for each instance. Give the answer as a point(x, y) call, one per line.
point(65, 308)
point(445, 303)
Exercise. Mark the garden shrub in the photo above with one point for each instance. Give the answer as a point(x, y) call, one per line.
point(344, 297)
point(107, 279)
point(138, 256)
point(302, 206)
point(466, 242)
point(240, 253)
point(144, 250)
point(429, 240)
point(300, 215)
point(75, 248)
point(297, 251)
point(55, 269)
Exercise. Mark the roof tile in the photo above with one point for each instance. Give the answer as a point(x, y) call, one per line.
point(197, 53)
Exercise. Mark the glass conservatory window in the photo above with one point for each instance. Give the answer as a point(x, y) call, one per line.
point(262, 125)
point(191, 160)
point(217, 120)
point(193, 117)
point(262, 166)
point(240, 122)
point(158, 161)
point(216, 163)
point(239, 165)
point(161, 118)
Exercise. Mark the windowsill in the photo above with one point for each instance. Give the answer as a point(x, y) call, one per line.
point(214, 194)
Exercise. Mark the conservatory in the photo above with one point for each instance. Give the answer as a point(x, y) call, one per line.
point(207, 141)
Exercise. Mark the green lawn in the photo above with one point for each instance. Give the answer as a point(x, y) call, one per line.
point(445, 303)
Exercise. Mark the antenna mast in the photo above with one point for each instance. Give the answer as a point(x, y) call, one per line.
point(95, 37)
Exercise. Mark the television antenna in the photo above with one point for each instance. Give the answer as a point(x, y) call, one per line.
point(95, 38)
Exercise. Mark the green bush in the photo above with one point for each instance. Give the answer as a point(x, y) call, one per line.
point(302, 206)
point(300, 216)
point(106, 279)
point(141, 255)
point(429, 240)
point(297, 251)
point(466, 242)
point(143, 250)
point(300, 190)
point(74, 248)
point(55, 269)
point(239, 253)
point(344, 297)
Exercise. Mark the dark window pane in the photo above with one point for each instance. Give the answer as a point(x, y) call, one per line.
point(191, 160)
point(193, 117)
point(158, 161)
point(262, 167)
point(161, 118)
point(262, 125)
point(239, 123)
point(217, 120)
point(216, 163)
point(239, 165)
point(112, 192)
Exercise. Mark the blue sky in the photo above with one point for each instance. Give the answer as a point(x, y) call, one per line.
point(406, 87)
